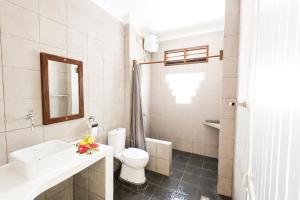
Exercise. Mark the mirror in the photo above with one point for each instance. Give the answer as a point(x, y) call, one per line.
point(62, 88)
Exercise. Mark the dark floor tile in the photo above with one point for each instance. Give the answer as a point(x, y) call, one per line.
point(206, 193)
point(210, 159)
point(186, 191)
point(207, 184)
point(221, 197)
point(211, 165)
point(181, 196)
point(149, 190)
point(122, 193)
point(191, 178)
point(177, 174)
point(163, 194)
point(196, 161)
point(181, 153)
point(196, 156)
point(137, 196)
point(182, 158)
point(154, 178)
point(179, 165)
point(170, 183)
point(193, 169)
point(173, 157)
point(210, 174)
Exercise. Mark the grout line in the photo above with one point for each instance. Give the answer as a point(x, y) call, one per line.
point(18, 129)
point(20, 6)
point(67, 30)
point(39, 17)
point(19, 37)
point(3, 91)
point(20, 68)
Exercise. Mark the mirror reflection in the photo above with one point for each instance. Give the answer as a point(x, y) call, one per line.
point(63, 89)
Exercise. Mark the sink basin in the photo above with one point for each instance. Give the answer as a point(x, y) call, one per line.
point(39, 159)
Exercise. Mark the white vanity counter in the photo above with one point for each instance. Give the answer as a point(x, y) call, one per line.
point(17, 187)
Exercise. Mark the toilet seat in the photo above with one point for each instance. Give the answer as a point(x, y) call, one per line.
point(135, 158)
point(134, 153)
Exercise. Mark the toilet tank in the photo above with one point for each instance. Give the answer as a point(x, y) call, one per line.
point(116, 139)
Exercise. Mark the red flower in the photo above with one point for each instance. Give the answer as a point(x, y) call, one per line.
point(86, 148)
point(82, 149)
point(94, 145)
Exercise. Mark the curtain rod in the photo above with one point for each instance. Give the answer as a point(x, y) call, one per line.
point(220, 56)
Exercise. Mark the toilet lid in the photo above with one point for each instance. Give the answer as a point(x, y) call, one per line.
point(134, 153)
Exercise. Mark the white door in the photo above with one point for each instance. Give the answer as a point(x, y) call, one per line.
point(274, 112)
point(247, 46)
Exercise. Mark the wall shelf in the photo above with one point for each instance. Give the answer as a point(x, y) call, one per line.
point(213, 125)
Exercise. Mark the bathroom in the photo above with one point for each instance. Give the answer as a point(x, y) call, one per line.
point(157, 100)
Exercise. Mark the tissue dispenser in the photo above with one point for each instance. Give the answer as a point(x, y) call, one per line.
point(93, 129)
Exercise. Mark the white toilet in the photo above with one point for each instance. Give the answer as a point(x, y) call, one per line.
point(133, 160)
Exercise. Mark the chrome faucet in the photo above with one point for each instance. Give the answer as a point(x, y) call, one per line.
point(31, 117)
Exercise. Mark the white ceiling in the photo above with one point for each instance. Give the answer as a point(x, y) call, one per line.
point(169, 18)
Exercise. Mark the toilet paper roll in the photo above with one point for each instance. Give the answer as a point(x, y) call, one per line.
point(94, 132)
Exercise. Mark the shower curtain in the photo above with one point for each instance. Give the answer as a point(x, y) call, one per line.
point(137, 134)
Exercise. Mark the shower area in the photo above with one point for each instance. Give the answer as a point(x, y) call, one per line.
point(179, 98)
point(191, 104)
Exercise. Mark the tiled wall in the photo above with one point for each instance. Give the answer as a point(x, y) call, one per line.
point(90, 183)
point(87, 184)
point(160, 156)
point(134, 50)
point(182, 124)
point(74, 28)
point(229, 82)
point(61, 191)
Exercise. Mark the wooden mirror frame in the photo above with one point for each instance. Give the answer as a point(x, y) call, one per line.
point(45, 88)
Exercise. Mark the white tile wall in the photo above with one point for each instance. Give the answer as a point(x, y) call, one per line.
point(53, 33)
point(160, 156)
point(55, 10)
point(20, 83)
point(16, 20)
point(20, 53)
point(183, 123)
point(28, 4)
point(15, 109)
point(2, 120)
point(58, 130)
point(69, 28)
point(230, 67)
point(57, 27)
point(229, 85)
point(23, 138)
point(2, 149)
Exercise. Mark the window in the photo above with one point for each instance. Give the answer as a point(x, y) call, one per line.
point(184, 85)
point(186, 56)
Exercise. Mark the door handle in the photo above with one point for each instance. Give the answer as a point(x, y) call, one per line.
point(245, 180)
point(234, 102)
point(242, 104)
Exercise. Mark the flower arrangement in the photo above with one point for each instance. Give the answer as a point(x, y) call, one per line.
point(87, 145)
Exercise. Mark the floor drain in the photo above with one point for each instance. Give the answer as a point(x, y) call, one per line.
point(204, 198)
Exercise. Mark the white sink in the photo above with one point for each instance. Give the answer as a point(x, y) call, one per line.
point(39, 159)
